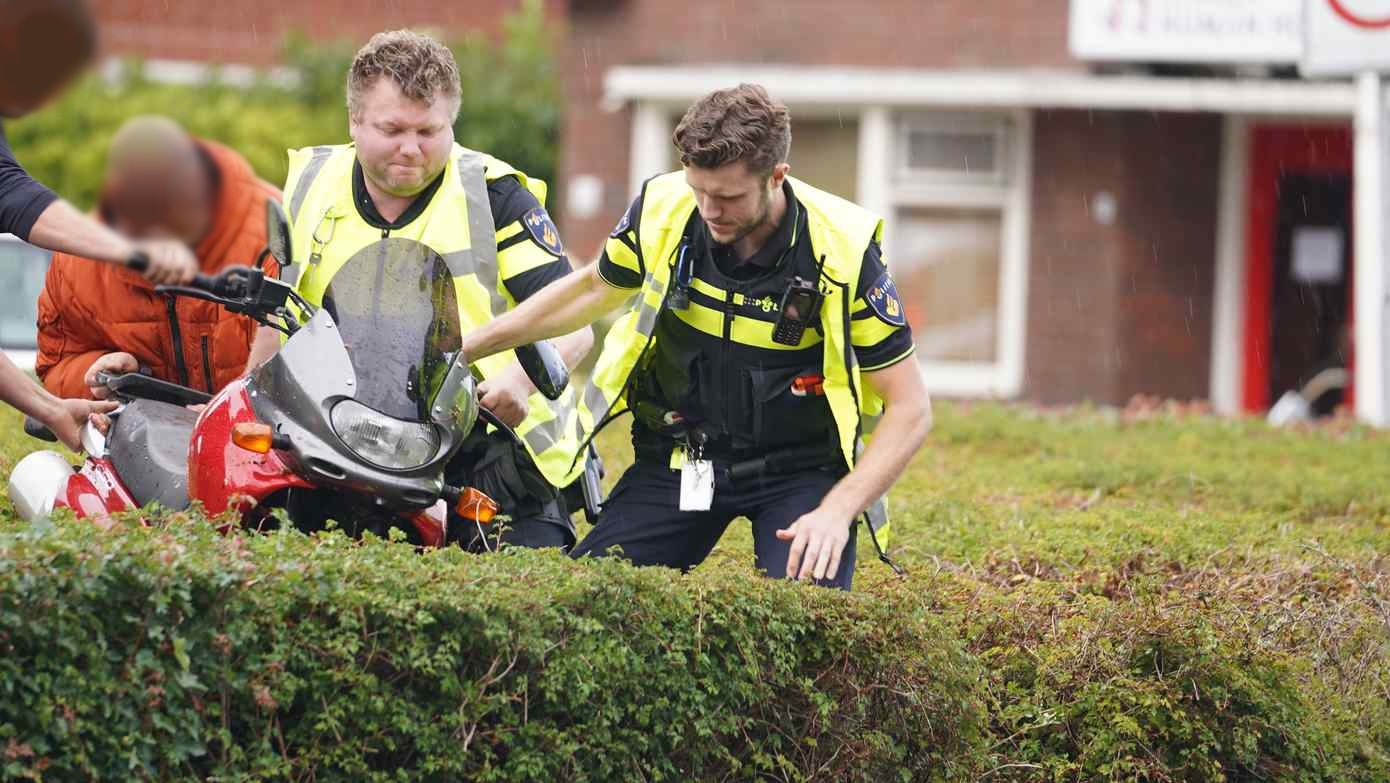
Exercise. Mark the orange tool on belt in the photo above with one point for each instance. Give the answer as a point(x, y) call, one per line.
point(809, 384)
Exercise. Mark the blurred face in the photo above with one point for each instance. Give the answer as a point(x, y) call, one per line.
point(48, 43)
point(169, 199)
point(25, 101)
point(47, 70)
point(733, 201)
point(402, 144)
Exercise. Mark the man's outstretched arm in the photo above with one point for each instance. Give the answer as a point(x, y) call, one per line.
point(819, 538)
point(64, 417)
point(568, 305)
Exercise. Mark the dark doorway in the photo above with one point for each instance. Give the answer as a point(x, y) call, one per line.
point(1299, 261)
point(1310, 291)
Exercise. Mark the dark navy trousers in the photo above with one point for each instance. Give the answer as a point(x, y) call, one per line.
point(642, 521)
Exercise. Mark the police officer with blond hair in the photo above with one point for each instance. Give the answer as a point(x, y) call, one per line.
point(763, 342)
point(404, 178)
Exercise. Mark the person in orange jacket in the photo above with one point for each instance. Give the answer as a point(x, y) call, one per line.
point(44, 45)
point(161, 182)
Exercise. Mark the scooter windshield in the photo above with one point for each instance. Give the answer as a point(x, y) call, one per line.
point(397, 311)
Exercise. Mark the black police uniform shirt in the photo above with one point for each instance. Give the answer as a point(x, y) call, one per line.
point(529, 253)
point(22, 198)
point(715, 363)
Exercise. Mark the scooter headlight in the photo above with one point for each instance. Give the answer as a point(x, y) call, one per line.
point(381, 440)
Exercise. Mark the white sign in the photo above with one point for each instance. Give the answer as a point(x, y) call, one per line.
point(1317, 255)
point(1188, 31)
point(1346, 36)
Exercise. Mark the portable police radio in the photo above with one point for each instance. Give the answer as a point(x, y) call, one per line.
point(680, 290)
point(800, 306)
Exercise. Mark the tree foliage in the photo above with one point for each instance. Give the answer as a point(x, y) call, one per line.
point(511, 109)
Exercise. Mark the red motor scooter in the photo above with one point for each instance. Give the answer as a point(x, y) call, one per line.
point(353, 420)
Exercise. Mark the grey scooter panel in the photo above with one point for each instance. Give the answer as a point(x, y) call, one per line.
point(149, 450)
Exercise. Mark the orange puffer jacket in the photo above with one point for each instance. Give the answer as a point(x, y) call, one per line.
point(89, 308)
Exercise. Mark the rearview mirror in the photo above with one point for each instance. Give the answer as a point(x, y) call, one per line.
point(545, 368)
point(277, 234)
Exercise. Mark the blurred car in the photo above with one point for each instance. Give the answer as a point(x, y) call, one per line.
point(22, 271)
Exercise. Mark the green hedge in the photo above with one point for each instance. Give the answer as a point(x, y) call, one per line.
point(178, 653)
point(511, 109)
point(1091, 598)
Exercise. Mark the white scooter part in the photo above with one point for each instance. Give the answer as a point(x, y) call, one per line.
point(41, 477)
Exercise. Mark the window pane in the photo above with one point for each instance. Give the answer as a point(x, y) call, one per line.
point(22, 271)
point(946, 264)
point(936, 150)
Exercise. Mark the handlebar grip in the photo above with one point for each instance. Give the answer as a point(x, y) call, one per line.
point(207, 283)
point(37, 429)
point(139, 261)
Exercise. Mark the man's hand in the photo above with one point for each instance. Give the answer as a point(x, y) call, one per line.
point(506, 395)
point(116, 363)
point(818, 539)
point(68, 417)
point(171, 262)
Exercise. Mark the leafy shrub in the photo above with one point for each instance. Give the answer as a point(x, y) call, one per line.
point(511, 109)
point(1090, 598)
point(177, 653)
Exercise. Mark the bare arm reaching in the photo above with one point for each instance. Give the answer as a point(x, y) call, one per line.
point(819, 538)
point(565, 306)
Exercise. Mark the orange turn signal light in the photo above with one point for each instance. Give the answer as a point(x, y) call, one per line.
point(254, 436)
point(475, 505)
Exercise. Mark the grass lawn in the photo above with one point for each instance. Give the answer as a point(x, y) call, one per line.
point(1146, 594)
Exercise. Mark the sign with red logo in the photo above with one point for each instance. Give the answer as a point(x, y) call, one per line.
point(1363, 17)
point(1343, 37)
point(1188, 31)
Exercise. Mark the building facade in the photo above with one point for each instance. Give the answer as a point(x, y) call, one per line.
point(1085, 200)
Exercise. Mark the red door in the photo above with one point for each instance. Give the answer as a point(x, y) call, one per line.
point(1298, 304)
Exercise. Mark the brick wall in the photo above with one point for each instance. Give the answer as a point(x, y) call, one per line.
point(1124, 308)
point(870, 33)
point(252, 31)
point(1113, 310)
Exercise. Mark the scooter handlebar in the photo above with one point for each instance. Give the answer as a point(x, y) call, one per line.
point(212, 285)
point(139, 261)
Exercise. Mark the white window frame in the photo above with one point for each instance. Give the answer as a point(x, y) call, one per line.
point(881, 190)
point(991, 123)
point(1007, 191)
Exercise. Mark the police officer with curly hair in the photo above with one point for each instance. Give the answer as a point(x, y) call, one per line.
point(763, 342)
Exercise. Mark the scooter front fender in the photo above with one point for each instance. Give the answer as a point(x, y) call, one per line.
point(96, 491)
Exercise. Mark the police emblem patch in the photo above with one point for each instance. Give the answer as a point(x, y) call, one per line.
point(543, 230)
point(883, 299)
point(623, 225)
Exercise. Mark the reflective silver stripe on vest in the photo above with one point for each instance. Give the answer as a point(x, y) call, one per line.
point(480, 260)
point(461, 263)
point(306, 179)
point(595, 400)
point(877, 515)
point(541, 437)
point(482, 234)
point(646, 320)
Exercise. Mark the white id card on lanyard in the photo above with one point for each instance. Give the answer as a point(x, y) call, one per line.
point(697, 484)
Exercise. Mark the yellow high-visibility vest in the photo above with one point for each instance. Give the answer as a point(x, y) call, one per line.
point(839, 230)
point(326, 230)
